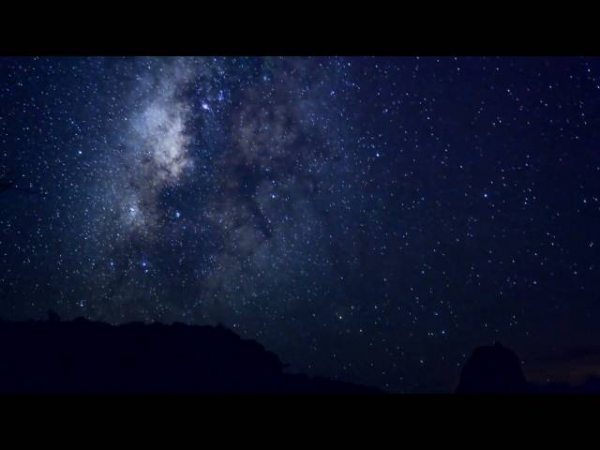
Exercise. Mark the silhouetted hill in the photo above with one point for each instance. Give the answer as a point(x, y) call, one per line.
point(497, 370)
point(492, 370)
point(81, 356)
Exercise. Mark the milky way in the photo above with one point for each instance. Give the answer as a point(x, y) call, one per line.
point(368, 219)
point(254, 227)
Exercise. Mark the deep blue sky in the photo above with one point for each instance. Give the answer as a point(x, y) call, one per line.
point(368, 219)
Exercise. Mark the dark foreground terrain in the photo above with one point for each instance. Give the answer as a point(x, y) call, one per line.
point(81, 356)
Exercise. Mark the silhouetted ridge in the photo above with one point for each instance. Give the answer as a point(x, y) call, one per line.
point(492, 370)
point(81, 356)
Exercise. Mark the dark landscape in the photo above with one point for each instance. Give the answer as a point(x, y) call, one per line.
point(84, 357)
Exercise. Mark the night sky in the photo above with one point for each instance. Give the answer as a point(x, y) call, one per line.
point(367, 219)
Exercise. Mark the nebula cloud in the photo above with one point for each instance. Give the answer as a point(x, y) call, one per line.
point(155, 153)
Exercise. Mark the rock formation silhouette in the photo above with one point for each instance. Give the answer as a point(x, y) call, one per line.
point(497, 370)
point(492, 370)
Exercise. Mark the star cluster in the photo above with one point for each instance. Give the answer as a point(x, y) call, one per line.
point(368, 219)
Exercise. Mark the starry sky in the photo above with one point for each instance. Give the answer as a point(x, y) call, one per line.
point(368, 219)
